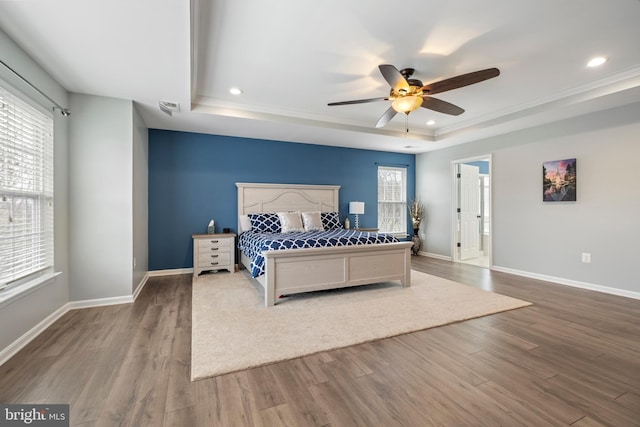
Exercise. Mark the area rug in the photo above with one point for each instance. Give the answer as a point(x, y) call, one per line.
point(232, 330)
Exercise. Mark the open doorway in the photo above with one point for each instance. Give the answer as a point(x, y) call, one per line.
point(471, 236)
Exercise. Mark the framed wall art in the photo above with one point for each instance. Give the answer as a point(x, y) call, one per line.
point(559, 181)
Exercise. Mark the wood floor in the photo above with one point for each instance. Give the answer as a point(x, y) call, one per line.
point(573, 358)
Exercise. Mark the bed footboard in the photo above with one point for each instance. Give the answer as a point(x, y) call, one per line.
point(304, 270)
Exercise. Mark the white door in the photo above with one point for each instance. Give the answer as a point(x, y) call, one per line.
point(469, 214)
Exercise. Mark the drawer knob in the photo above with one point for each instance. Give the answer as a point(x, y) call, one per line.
point(215, 263)
point(215, 256)
point(214, 241)
point(214, 249)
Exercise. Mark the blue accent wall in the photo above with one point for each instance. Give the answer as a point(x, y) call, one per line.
point(192, 180)
point(483, 166)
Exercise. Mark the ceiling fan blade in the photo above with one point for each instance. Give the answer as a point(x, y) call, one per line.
point(461, 81)
point(441, 106)
point(358, 101)
point(395, 79)
point(386, 117)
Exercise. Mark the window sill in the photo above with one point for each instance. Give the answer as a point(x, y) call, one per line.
point(15, 293)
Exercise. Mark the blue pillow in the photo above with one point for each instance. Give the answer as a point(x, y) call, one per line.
point(265, 222)
point(331, 221)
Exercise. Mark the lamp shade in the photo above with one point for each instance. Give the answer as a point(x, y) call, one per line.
point(356, 208)
point(407, 104)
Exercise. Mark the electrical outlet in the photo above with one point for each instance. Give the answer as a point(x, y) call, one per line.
point(586, 257)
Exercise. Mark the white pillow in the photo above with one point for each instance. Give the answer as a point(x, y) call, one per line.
point(290, 221)
point(312, 221)
point(245, 224)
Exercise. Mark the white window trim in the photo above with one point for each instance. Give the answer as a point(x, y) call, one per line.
point(401, 234)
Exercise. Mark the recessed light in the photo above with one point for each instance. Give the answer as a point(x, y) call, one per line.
point(431, 122)
point(598, 60)
point(235, 91)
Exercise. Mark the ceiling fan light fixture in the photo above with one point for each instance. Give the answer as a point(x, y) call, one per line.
point(407, 94)
point(407, 104)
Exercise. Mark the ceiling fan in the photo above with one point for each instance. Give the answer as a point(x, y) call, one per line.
point(409, 94)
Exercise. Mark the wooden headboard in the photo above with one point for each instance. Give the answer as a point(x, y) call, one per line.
point(260, 197)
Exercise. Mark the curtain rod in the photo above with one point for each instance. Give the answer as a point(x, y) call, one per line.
point(64, 111)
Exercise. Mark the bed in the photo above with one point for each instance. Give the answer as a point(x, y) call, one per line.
point(296, 270)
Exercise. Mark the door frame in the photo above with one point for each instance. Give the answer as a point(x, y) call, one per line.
point(455, 252)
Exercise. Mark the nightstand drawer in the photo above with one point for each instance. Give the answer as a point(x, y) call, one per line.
point(220, 244)
point(208, 250)
point(211, 260)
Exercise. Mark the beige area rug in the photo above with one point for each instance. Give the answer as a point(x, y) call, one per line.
point(232, 330)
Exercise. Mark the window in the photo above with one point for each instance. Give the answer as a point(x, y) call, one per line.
point(392, 200)
point(26, 190)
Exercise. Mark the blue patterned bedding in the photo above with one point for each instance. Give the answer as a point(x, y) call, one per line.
point(252, 243)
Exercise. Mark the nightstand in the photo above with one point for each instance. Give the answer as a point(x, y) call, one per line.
point(213, 252)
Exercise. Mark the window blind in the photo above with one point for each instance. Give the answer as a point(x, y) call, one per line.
point(392, 200)
point(26, 190)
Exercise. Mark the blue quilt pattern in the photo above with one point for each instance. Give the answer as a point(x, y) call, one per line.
point(252, 243)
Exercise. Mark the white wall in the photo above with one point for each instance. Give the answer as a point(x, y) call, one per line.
point(21, 315)
point(101, 194)
point(547, 239)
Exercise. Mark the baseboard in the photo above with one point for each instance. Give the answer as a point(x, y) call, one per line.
point(125, 299)
point(99, 302)
point(30, 335)
point(432, 255)
point(553, 279)
point(9, 351)
point(141, 286)
point(171, 272)
point(569, 282)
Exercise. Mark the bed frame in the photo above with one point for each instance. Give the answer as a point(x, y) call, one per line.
point(291, 271)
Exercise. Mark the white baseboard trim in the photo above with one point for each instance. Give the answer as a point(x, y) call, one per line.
point(8, 352)
point(437, 256)
point(171, 272)
point(553, 279)
point(569, 282)
point(141, 286)
point(99, 302)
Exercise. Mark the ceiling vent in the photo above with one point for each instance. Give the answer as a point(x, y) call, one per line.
point(169, 107)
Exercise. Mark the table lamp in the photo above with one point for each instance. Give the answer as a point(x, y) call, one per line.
point(356, 208)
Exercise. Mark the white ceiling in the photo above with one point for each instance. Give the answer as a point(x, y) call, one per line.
point(291, 58)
